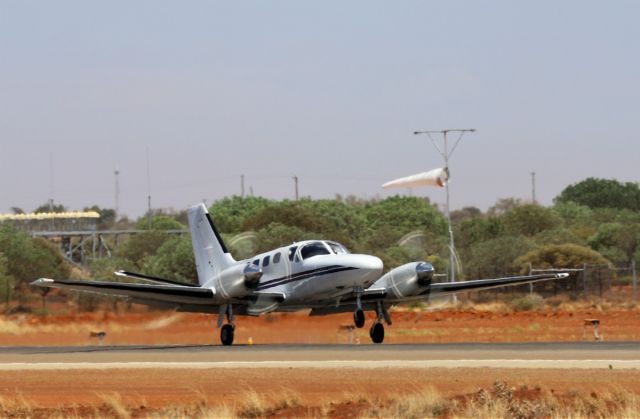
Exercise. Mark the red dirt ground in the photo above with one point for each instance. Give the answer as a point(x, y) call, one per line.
point(143, 390)
point(460, 325)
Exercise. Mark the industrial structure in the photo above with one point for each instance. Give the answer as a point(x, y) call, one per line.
point(75, 232)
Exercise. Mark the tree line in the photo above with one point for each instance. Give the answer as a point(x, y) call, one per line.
point(596, 221)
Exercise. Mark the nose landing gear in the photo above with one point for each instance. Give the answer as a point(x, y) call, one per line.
point(358, 314)
point(226, 334)
point(227, 330)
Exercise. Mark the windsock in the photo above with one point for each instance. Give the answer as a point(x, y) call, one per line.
point(436, 177)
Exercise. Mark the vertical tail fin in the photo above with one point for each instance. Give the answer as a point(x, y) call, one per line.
point(209, 250)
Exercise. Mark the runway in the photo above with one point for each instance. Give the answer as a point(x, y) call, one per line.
point(565, 355)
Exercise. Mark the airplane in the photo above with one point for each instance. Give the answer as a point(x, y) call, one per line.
point(320, 275)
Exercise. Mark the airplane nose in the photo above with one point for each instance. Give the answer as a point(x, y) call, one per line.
point(371, 264)
point(375, 265)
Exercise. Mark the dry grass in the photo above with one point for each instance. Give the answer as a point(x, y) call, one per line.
point(15, 405)
point(498, 401)
point(195, 411)
point(425, 403)
point(287, 399)
point(490, 307)
point(253, 405)
point(115, 406)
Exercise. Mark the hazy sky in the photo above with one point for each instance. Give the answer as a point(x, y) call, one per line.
point(328, 91)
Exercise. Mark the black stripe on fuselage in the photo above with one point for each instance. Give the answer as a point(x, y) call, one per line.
point(317, 270)
point(304, 275)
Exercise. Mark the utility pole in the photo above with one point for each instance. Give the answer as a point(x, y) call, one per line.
point(533, 187)
point(148, 192)
point(295, 181)
point(446, 154)
point(117, 207)
point(51, 184)
point(242, 186)
point(634, 279)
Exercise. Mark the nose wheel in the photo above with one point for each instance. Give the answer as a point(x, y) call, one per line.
point(228, 329)
point(226, 334)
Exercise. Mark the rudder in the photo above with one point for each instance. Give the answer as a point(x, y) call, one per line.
point(210, 252)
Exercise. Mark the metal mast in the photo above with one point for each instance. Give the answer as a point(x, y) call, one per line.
point(446, 154)
point(117, 208)
point(148, 191)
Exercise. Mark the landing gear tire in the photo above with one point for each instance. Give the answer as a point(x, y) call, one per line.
point(377, 332)
point(226, 334)
point(358, 318)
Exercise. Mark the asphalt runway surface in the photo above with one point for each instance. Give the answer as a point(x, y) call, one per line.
point(618, 355)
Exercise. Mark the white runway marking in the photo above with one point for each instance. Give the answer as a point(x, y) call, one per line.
point(467, 363)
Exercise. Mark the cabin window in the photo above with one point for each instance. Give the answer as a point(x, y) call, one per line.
point(314, 249)
point(292, 252)
point(265, 261)
point(276, 258)
point(256, 262)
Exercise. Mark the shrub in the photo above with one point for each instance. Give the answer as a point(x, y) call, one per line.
point(527, 303)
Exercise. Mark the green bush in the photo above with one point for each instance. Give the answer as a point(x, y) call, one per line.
point(527, 303)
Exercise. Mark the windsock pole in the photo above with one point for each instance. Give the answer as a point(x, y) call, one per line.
point(446, 153)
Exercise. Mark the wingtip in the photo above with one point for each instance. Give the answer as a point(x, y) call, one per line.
point(119, 273)
point(40, 282)
point(563, 275)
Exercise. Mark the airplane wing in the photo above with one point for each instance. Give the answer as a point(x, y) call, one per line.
point(483, 284)
point(185, 298)
point(176, 294)
point(390, 294)
point(448, 288)
point(154, 279)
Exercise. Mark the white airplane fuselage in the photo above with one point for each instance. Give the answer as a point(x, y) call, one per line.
point(304, 278)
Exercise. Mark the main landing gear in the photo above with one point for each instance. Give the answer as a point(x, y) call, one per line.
point(227, 330)
point(376, 332)
point(358, 317)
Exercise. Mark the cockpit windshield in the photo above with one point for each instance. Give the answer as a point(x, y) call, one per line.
point(337, 248)
point(314, 249)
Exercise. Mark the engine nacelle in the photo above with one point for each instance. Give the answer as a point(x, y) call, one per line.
point(407, 280)
point(238, 280)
